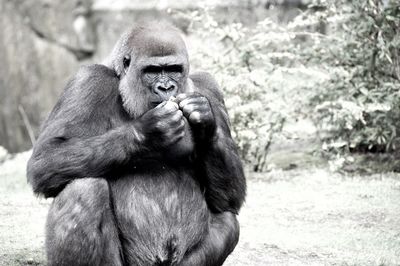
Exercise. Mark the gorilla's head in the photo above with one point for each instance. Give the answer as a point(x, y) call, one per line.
point(152, 63)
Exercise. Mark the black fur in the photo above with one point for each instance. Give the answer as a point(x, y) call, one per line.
point(134, 184)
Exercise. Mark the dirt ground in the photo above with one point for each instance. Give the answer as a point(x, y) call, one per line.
point(297, 217)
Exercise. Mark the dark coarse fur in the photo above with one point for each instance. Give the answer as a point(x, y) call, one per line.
point(135, 184)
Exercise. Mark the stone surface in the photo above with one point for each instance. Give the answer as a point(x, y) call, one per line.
point(75, 31)
point(33, 70)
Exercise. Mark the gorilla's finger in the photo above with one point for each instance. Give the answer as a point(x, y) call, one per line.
point(168, 108)
point(176, 117)
point(201, 100)
point(172, 103)
point(173, 130)
point(195, 117)
point(191, 101)
point(180, 97)
point(161, 105)
point(177, 137)
point(188, 109)
point(183, 96)
point(178, 127)
point(192, 107)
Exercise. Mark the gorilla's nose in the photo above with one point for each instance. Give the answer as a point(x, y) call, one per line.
point(165, 87)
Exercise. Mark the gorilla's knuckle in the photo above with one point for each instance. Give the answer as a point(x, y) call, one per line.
point(189, 108)
point(196, 117)
point(208, 114)
point(179, 130)
point(168, 137)
point(159, 125)
point(173, 132)
point(202, 99)
point(198, 121)
point(170, 107)
point(158, 114)
point(176, 117)
point(180, 135)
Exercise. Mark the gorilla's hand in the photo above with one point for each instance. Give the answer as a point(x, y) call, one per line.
point(197, 109)
point(161, 126)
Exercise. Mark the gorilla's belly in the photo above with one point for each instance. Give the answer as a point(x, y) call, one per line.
point(159, 216)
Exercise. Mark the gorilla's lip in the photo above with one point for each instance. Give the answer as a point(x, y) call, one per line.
point(158, 101)
point(155, 103)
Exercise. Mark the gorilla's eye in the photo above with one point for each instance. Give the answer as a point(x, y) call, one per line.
point(174, 69)
point(152, 69)
point(126, 61)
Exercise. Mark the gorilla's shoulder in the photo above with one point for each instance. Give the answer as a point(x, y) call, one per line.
point(91, 83)
point(205, 81)
point(95, 71)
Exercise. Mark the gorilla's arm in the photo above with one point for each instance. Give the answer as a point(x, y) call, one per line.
point(218, 161)
point(77, 139)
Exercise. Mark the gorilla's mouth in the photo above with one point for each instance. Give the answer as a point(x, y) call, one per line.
point(155, 103)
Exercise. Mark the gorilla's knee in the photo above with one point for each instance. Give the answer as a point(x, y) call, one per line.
point(233, 228)
point(86, 193)
point(80, 219)
point(82, 201)
point(226, 231)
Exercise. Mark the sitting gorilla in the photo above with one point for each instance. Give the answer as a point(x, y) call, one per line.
point(139, 157)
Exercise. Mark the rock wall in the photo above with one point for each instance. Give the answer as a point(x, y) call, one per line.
point(33, 68)
point(43, 42)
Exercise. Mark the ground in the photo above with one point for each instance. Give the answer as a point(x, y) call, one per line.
point(305, 216)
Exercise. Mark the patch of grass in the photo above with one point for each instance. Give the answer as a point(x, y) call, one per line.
point(22, 216)
point(306, 216)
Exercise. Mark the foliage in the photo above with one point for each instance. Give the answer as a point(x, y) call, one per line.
point(254, 67)
point(359, 104)
point(337, 61)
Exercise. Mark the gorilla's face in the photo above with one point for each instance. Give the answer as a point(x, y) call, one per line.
point(154, 69)
point(163, 80)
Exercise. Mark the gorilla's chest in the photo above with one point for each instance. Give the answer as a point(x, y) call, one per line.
point(160, 191)
point(154, 208)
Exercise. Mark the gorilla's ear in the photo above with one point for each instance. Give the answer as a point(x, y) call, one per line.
point(115, 60)
point(114, 63)
point(118, 68)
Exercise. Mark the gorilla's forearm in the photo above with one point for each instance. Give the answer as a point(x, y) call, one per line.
point(225, 182)
point(56, 161)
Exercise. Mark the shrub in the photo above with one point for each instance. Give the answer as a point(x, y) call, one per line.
point(337, 62)
point(359, 103)
point(258, 70)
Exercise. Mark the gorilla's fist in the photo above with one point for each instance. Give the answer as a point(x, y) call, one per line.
point(161, 126)
point(197, 109)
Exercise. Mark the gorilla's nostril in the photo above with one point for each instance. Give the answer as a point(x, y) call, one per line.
point(166, 88)
point(161, 88)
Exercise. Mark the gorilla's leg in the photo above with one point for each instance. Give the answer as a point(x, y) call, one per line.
point(218, 244)
point(81, 227)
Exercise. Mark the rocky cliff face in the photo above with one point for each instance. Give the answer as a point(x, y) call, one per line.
point(34, 65)
point(43, 42)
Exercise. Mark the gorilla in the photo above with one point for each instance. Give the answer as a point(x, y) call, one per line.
point(140, 161)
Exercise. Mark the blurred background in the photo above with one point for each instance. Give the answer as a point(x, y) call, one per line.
point(312, 88)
